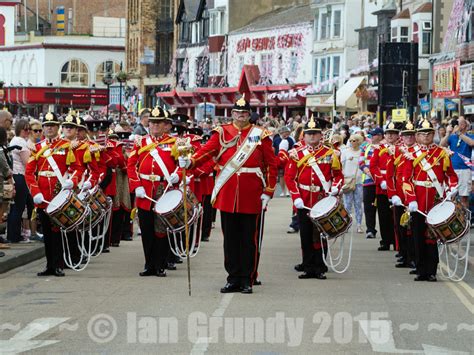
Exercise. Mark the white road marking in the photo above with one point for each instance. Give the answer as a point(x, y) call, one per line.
point(201, 345)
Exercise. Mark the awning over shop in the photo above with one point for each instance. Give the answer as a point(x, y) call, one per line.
point(224, 97)
point(346, 93)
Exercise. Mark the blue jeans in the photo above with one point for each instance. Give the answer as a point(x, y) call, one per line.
point(354, 198)
point(22, 199)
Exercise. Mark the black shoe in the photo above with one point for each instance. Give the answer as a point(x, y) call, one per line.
point(127, 239)
point(257, 283)
point(400, 260)
point(170, 266)
point(178, 261)
point(59, 272)
point(411, 264)
point(45, 272)
point(398, 255)
point(299, 267)
point(147, 272)
point(2, 254)
point(308, 275)
point(321, 276)
point(161, 273)
point(402, 265)
point(431, 278)
point(421, 278)
point(370, 235)
point(115, 245)
point(413, 272)
point(383, 248)
point(230, 287)
point(205, 239)
point(106, 250)
point(247, 289)
point(4, 241)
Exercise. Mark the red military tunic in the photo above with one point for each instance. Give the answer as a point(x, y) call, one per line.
point(378, 166)
point(241, 193)
point(395, 166)
point(116, 161)
point(302, 180)
point(39, 175)
point(85, 157)
point(416, 182)
point(144, 171)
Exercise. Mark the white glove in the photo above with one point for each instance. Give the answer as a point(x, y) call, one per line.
point(265, 198)
point(68, 184)
point(383, 185)
point(334, 191)
point(284, 145)
point(396, 201)
point(184, 163)
point(188, 180)
point(38, 199)
point(452, 193)
point(413, 206)
point(174, 178)
point(140, 192)
point(299, 204)
point(87, 185)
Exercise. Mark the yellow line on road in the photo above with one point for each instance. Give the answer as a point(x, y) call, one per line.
point(462, 297)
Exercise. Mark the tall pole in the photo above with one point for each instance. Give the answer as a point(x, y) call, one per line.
point(37, 16)
point(108, 100)
point(26, 19)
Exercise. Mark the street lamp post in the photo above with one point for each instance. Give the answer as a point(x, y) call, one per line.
point(108, 80)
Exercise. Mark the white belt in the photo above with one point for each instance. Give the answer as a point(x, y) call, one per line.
point(46, 173)
point(309, 188)
point(152, 177)
point(197, 180)
point(423, 183)
point(113, 170)
point(246, 170)
point(383, 171)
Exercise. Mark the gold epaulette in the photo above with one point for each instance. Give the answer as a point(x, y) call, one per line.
point(168, 140)
point(196, 138)
point(266, 133)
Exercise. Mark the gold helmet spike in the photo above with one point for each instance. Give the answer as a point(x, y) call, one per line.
point(241, 102)
point(311, 123)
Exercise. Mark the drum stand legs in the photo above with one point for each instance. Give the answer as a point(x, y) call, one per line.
point(454, 251)
point(177, 238)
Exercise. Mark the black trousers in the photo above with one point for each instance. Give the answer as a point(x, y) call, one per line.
point(118, 217)
point(369, 208)
point(240, 246)
point(311, 245)
point(22, 200)
point(426, 249)
point(155, 249)
point(294, 222)
point(127, 226)
point(385, 221)
point(206, 216)
point(405, 237)
point(52, 242)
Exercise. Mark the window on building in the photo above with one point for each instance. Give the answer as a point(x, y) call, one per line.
point(426, 43)
point(323, 70)
point(394, 34)
point(324, 25)
point(315, 71)
point(205, 25)
point(316, 26)
point(414, 33)
point(202, 71)
point(280, 66)
point(266, 65)
point(74, 73)
point(108, 66)
point(337, 24)
point(336, 66)
point(215, 65)
point(252, 59)
point(293, 64)
point(185, 29)
point(166, 9)
point(403, 34)
point(216, 23)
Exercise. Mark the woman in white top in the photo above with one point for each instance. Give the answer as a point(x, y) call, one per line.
point(353, 178)
point(20, 155)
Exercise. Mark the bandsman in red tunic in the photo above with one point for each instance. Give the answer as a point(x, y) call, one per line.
point(395, 194)
point(378, 170)
point(50, 169)
point(245, 183)
point(423, 180)
point(150, 168)
point(313, 172)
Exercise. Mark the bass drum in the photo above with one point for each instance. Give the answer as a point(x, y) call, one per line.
point(66, 210)
point(447, 222)
point(330, 217)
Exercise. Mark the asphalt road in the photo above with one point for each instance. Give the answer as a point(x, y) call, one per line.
point(108, 308)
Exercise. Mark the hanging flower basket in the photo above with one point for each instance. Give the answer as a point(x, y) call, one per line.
point(121, 76)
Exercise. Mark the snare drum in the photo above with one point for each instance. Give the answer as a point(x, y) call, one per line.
point(170, 208)
point(66, 210)
point(447, 222)
point(330, 217)
point(96, 210)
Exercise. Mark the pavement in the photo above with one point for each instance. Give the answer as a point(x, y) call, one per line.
point(108, 308)
point(20, 254)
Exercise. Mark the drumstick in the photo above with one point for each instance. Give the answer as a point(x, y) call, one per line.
point(423, 214)
point(152, 200)
point(169, 183)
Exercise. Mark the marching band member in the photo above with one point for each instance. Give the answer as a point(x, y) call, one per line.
point(423, 181)
point(378, 170)
point(150, 168)
point(47, 173)
point(245, 184)
point(313, 172)
point(395, 165)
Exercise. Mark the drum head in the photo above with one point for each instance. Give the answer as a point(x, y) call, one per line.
point(323, 207)
point(61, 198)
point(169, 201)
point(440, 212)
